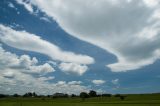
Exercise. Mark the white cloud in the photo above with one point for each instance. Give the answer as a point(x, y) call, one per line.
point(115, 81)
point(25, 63)
point(23, 83)
point(11, 5)
point(45, 19)
point(26, 4)
point(61, 83)
point(45, 78)
point(73, 68)
point(114, 25)
point(116, 84)
point(98, 82)
point(74, 82)
point(47, 67)
point(151, 3)
point(17, 76)
point(53, 63)
point(26, 41)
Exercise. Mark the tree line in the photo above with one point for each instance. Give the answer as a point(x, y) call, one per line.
point(82, 95)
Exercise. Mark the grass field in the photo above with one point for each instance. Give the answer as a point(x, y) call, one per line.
point(130, 100)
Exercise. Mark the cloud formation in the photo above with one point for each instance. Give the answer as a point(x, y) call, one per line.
point(25, 63)
point(129, 29)
point(22, 83)
point(98, 82)
point(115, 81)
point(26, 4)
point(18, 76)
point(30, 42)
point(73, 68)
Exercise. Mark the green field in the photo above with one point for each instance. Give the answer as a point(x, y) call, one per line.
point(130, 100)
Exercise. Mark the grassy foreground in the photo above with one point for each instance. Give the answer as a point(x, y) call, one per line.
point(130, 100)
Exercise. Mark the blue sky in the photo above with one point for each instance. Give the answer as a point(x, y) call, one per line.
point(74, 46)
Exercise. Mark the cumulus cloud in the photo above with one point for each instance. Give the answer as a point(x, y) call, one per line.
point(98, 82)
point(17, 76)
point(61, 82)
point(73, 68)
point(75, 82)
point(27, 41)
point(22, 83)
point(45, 78)
point(129, 29)
point(24, 63)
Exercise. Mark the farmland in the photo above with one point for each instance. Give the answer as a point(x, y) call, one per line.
point(130, 100)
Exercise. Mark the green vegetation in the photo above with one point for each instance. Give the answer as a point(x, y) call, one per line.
point(114, 100)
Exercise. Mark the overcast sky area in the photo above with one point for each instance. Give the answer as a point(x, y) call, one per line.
point(70, 46)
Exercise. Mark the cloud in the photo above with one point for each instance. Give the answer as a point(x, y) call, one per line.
point(17, 76)
point(26, 4)
point(151, 3)
point(25, 63)
point(74, 82)
point(45, 19)
point(27, 41)
point(126, 28)
point(98, 82)
point(73, 68)
point(53, 63)
point(46, 78)
point(115, 81)
point(22, 83)
point(11, 5)
point(43, 67)
point(116, 84)
point(61, 82)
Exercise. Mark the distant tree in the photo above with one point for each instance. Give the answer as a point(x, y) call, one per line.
point(92, 93)
point(99, 95)
point(66, 95)
point(3, 95)
point(16, 95)
point(29, 94)
point(25, 95)
point(48, 96)
point(117, 95)
point(73, 95)
point(60, 95)
point(106, 95)
point(83, 95)
point(34, 94)
point(122, 97)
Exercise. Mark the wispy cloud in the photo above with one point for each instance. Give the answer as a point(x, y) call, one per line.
point(126, 28)
point(26, 4)
point(27, 41)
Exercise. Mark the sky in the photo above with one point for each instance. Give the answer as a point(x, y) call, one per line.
point(72, 46)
